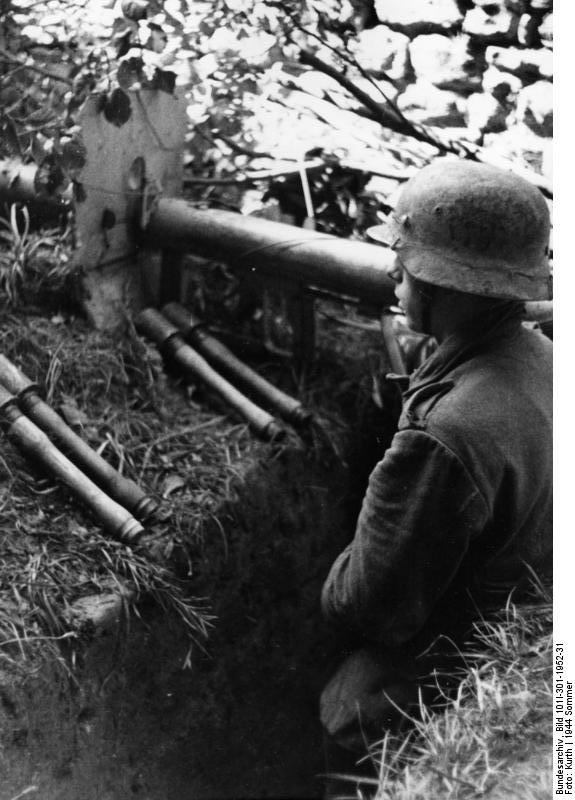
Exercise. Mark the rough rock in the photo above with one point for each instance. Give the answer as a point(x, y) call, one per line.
point(500, 28)
point(380, 50)
point(535, 108)
point(546, 31)
point(414, 17)
point(480, 72)
point(380, 91)
point(260, 49)
point(425, 103)
point(462, 133)
point(486, 114)
point(502, 85)
point(529, 64)
point(519, 143)
point(356, 13)
point(517, 6)
point(490, 6)
point(528, 30)
point(446, 62)
point(317, 83)
point(97, 614)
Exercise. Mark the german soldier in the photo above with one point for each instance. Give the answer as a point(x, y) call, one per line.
point(457, 514)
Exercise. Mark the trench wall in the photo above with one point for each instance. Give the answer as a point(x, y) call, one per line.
point(146, 717)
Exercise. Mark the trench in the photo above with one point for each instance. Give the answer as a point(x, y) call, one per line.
point(144, 717)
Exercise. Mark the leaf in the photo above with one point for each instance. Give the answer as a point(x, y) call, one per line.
point(164, 80)
point(123, 43)
point(8, 96)
point(174, 14)
point(42, 116)
point(49, 176)
point(130, 71)
point(37, 150)
point(135, 9)
point(117, 108)
point(73, 156)
point(108, 219)
point(171, 484)
point(9, 141)
point(69, 410)
point(158, 38)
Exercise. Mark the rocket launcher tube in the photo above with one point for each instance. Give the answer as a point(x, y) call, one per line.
point(194, 330)
point(168, 338)
point(122, 489)
point(34, 443)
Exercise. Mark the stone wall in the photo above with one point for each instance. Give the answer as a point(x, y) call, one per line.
point(482, 68)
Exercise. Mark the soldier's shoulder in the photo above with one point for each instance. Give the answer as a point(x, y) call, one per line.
point(421, 402)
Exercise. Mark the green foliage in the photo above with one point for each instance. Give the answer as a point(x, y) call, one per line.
point(234, 60)
point(32, 265)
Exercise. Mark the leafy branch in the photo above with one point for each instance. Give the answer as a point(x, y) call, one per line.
point(23, 64)
point(390, 117)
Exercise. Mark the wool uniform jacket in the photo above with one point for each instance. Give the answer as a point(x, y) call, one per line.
point(461, 503)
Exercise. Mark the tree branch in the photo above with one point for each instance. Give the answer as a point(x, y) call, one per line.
point(394, 120)
point(344, 56)
point(14, 59)
point(389, 117)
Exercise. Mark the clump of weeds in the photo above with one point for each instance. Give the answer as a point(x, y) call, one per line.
point(493, 739)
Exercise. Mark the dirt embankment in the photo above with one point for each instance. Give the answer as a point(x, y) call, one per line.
point(145, 718)
point(136, 711)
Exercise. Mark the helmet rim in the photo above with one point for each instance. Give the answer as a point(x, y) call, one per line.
point(472, 228)
point(473, 274)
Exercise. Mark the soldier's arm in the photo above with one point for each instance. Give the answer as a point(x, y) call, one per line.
point(420, 512)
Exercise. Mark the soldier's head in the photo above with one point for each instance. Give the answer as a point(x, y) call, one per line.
point(468, 233)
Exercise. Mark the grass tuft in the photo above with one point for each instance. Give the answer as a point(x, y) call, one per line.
point(53, 554)
point(493, 738)
point(35, 266)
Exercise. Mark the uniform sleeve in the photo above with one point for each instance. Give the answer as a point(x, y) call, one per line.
point(419, 514)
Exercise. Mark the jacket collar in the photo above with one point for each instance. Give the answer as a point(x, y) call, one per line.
point(502, 322)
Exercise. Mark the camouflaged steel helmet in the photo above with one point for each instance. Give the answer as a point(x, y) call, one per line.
point(474, 228)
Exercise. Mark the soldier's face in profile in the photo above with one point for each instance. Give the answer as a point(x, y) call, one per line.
point(409, 298)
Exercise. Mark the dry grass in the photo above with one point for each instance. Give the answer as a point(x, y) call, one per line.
point(178, 444)
point(52, 552)
point(33, 263)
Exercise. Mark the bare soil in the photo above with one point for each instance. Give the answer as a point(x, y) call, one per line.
point(240, 720)
point(134, 710)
